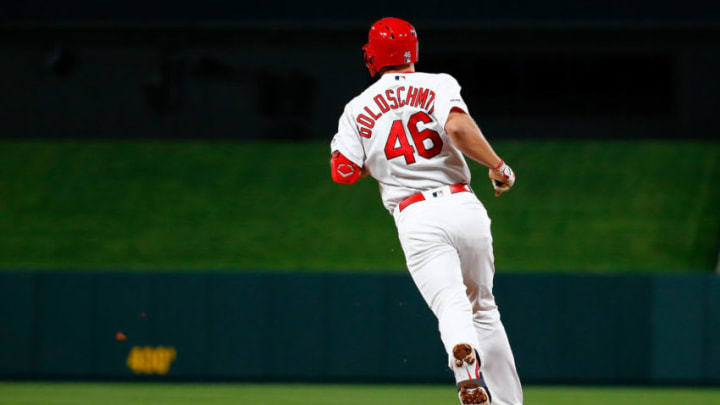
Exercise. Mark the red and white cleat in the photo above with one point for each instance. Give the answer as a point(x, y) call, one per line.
point(472, 389)
point(471, 392)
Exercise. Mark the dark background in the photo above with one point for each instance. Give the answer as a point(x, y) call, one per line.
point(284, 69)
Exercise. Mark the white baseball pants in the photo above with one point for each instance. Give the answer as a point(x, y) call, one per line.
point(448, 249)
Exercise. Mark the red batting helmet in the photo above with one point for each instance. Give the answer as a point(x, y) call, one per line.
point(391, 42)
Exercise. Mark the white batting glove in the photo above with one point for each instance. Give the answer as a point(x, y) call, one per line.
point(502, 178)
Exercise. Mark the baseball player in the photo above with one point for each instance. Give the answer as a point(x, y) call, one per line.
point(409, 130)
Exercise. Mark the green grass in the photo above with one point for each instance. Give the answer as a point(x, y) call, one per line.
point(577, 206)
point(229, 394)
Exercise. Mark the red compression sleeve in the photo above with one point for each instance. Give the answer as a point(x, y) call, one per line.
point(343, 170)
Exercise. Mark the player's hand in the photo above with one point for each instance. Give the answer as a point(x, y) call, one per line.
point(502, 178)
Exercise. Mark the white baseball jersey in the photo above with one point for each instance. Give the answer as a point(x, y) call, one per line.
point(396, 130)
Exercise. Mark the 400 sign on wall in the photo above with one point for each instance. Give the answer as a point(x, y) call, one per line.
point(151, 360)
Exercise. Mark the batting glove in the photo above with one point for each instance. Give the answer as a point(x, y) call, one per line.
point(502, 178)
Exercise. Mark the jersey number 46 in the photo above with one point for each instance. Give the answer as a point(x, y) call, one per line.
point(398, 143)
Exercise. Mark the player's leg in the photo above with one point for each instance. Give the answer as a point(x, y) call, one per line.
point(435, 268)
point(498, 364)
point(476, 255)
point(434, 265)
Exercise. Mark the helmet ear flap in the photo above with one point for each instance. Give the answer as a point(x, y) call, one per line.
point(369, 60)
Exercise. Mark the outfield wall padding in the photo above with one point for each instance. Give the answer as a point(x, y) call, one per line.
point(344, 327)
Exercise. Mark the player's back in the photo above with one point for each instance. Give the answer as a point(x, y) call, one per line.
point(395, 128)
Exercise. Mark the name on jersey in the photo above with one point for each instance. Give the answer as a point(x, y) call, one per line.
point(391, 100)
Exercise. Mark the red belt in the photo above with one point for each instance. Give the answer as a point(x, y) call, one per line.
point(454, 188)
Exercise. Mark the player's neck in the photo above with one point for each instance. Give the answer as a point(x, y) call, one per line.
point(406, 69)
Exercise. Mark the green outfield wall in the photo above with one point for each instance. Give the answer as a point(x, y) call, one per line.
point(602, 206)
point(348, 327)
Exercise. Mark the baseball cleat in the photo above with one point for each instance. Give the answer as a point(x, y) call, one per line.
point(463, 353)
point(471, 392)
point(472, 389)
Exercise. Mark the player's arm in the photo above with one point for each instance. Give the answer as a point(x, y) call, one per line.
point(344, 171)
point(466, 135)
point(347, 167)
